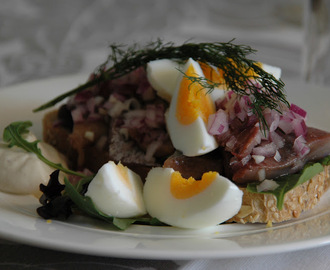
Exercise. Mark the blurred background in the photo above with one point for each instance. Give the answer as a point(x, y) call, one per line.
point(41, 39)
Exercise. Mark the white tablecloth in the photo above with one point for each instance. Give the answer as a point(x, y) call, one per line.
point(41, 39)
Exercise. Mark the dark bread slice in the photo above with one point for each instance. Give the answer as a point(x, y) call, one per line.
point(82, 152)
point(80, 145)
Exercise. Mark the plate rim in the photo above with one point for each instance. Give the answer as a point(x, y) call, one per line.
point(75, 79)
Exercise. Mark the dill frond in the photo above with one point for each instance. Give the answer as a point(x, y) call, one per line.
point(204, 82)
point(231, 58)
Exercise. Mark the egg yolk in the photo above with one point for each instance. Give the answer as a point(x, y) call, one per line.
point(216, 74)
point(193, 100)
point(122, 171)
point(213, 74)
point(182, 188)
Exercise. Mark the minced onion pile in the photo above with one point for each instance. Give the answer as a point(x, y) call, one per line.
point(280, 122)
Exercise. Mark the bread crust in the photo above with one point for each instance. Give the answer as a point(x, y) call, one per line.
point(81, 151)
point(261, 208)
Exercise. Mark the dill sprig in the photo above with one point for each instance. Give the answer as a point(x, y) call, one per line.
point(204, 82)
point(232, 59)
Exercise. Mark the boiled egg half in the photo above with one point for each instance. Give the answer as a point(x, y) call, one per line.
point(190, 203)
point(163, 75)
point(117, 191)
point(188, 114)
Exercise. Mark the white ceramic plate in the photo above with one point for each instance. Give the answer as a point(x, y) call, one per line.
point(19, 221)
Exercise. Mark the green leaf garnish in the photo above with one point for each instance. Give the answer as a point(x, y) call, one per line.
point(231, 58)
point(325, 161)
point(289, 182)
point(13, 135)
point(86, 205)
point(204, 82)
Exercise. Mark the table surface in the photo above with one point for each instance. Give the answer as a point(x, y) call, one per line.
point(44, 39)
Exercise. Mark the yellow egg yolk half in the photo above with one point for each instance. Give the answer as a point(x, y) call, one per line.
point(216, 74)
point(182, 188)
point(193, 100)
point(213, 74)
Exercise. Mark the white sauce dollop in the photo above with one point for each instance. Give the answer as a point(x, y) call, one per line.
point(22, 172)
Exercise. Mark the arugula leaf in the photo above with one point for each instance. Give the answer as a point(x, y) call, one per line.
point(325, 161)
point(86, 205)
point(123, 223)
point(289, 182)
point(58, 200)
point(12, 134)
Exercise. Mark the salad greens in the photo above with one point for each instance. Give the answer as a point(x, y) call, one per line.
point(86, 205)
point(289, 182)
point(58, 201)
point(54, 204)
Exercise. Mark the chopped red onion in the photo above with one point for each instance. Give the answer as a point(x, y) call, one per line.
point(285, 125)
point(258, 158)
point(267, 150)
point(300, 128)
point(267, 185)
point(262, 174)
point(154, 116)
point(275, 121)
point(84, 96)
point(230, 94)
point(237, 108)
point(218, 123)
point(135, 119)
point(116, 107)
point(277, 139)
point(277, 156)
point(231, 142)
point(245, 160)
point(296, 109)
point(300, 146)
point(78, 113)
point(93, 103)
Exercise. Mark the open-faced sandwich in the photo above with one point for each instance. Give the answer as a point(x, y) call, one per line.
point(206, 129)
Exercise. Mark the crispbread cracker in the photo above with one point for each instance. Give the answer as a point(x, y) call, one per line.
point(261, 208)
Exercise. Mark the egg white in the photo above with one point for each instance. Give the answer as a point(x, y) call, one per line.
point(115, 196)
point(192, 139)
point(163, 75)
point(217, 203)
